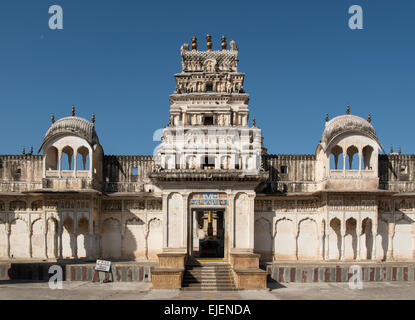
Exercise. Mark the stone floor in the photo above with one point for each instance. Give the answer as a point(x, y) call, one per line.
point(142, 290)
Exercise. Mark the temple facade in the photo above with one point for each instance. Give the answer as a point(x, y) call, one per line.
point(211, 190)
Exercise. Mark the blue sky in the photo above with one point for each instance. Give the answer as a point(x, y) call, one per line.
point(118, 58)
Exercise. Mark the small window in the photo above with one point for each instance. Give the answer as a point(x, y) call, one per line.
point(284, 169)
point(208, 121)
point(209, 87)
point(135, 172)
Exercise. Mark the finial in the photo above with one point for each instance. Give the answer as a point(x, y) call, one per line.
point(73, 111)
point(24, 150)
point(391, 149)
point(194, 43)
point(399, 150)
point(369, 118)
point(253, 122)
point(209, 42)
point(93, 118)
point(223, 42)
point(348, 109)
point(52, 118)
point(31, 149)
point(327, 117)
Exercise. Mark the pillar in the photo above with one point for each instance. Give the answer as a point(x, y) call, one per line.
point(60, 229)
point(8, 241)
point(343, 236)
point(374, 234)
point(45, 234)
point(164, 206)
point(75, 169)
point(252, 222)
point(391, 233)
point(75, 235)
point(359, 234)
point(60, 163)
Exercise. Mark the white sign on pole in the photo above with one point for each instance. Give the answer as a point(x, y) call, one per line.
point(103, 265)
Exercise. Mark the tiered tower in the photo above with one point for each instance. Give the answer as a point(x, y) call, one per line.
point(208, 127)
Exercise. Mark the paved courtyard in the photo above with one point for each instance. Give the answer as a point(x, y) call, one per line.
point(138, 290)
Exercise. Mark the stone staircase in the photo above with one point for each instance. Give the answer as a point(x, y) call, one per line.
point(209, 277)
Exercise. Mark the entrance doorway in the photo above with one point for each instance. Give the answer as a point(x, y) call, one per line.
point(208, 234)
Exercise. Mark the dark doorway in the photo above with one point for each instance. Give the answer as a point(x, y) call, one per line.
point(209, 234)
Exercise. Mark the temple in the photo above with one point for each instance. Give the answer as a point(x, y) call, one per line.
point(211, 193)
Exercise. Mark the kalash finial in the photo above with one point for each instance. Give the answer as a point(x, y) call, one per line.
point(400, 150)
point(194, 43)
point(348, 109)
point(224, 43)
point(31, 149)
point(93, 118)
point(369, 118)
point(253, 122)
point(391, 149)
point(24, 150)
point(327, 117)
point(73, 111)
point(52, 118)
point(209, 42)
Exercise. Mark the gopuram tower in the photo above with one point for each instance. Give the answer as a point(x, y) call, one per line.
point(209, 164)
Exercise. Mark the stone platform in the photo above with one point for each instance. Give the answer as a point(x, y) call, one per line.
point(74, 271)
point(340, 272)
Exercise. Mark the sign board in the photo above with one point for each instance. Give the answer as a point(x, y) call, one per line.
point(208, 199)
point(103, 265)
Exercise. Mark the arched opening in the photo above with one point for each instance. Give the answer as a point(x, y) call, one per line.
point(307, 240)
point(133, 246)
point(335, 239)
point(67, 158)
point(284, 240)
point(366, 243)
point(82, 159)
point(52, 159)
point(67, 238)
point(350, 240)
point(52, 238)
point(19, 239)
point(83, 238)
point(367, 158)
point(38, 239)
point(336, 158)
point(352, 160)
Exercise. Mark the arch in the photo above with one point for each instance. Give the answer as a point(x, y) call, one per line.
point(366, 240)
point(307, 240)
point(67, 162)
point(350, 240)
point(82, 158)
point(111, 238)
point(38, 239)
point(134, 239)
point(284, 239)
point(263, 238)
point(2, 206)
point(82, 238)
point(352, 161)
point(335, 239)
point(52, 237)
point(37, 205)
point(336, 158)
point(51, 160)
point(17, 205)
point(68, 240)
point(155, 238)
point(19, 239)
point(367, 152)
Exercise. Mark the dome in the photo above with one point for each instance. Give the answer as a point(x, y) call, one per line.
point(347, 123)
point(72, 126)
